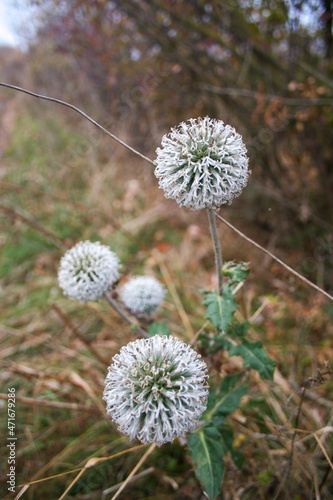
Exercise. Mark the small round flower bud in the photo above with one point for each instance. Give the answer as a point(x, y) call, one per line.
point(87, 271)
point(142, 294)
point(202, 164)
point(156, 389)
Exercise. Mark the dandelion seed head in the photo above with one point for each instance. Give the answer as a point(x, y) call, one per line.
point(202, 163)
point(156, 389)
point(88, 270)
point(142, 294)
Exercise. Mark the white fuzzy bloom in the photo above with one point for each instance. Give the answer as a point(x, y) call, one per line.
point(142, 294)
point(202, 164)
point(156, 389)
point(88, 270)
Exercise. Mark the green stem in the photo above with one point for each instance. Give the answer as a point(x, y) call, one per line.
point(217, 249)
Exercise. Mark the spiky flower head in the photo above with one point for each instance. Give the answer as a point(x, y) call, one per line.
point(156, 389)
point(88, 270)
point(142, 294)
point(202, 164)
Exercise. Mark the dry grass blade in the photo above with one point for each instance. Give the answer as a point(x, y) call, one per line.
point(134, 478)
point(75, 377)
point(23, 490)
point(323, 450)
point(174, 294)
point(93, 461)
point(137, 467)
point(53, 404)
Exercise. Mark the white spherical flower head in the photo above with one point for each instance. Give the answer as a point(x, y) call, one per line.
point(202, 164)
point(156, 389)
point(142, 294)
point(88, 270)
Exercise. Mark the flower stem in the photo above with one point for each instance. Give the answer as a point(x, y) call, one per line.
point(217, 249)
point(123, 315)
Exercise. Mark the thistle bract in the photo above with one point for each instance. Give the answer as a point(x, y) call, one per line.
point(88, 270)
point(142, 294)
point(156, 389)
point(202, 164)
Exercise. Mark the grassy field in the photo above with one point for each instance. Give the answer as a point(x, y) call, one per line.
point(62, 182)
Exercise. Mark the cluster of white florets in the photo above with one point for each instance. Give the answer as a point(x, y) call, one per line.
point(88, 270)
point(142, 294)
point(202, 164)
point(156, 389)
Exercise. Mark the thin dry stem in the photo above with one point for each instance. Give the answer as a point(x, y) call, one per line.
point(124, 315)
point(291, 270)
point(217, 249)
point(134, 478)
point(137, 467)
point(30, 221)
point(78, 334)
point(53, 404)
point(82, 113)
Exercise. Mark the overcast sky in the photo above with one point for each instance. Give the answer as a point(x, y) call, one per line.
point(14, 15)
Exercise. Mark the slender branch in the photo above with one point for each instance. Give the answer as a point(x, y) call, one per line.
point(291, 458)
point(30, 221)
point(123, 315)
point(91, 120)
point(270, 97)
point(217, 249)
point(78, 334)
point(292, 271)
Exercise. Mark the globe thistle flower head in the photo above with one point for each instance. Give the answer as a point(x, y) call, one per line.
point(142, 294)
point(156, 389)
point(88, 270)
point(202, 164)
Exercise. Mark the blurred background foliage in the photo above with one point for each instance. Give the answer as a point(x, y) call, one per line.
point(264, 66)
point(139, 68)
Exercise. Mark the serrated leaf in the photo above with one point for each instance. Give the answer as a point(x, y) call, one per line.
point(255, 357)
point(227, 400)
point(159, 328)
point(236, 273)
point(239, 329)
point(220, 308)
point(207, 452)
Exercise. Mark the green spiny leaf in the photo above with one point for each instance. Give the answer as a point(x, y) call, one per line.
point(255, 357)
point(220, 309)
point(207, 452)
point(236, 273)
point(239, 329)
